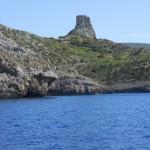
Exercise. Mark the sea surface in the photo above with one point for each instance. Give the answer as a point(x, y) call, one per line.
point(101, 122)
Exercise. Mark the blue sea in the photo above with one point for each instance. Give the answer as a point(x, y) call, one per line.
point(101, 122)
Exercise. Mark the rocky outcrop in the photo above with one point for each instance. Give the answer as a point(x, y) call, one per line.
point(83, 27)
point(14, 82)
point(11, 86)
point(40, 82)
point(74, 85)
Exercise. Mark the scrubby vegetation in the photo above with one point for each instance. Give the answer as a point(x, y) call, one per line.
point(101, 60)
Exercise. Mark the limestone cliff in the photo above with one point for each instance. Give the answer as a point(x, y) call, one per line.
point(21, 74)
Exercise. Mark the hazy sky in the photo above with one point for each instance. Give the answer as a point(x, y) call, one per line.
point(117, 20)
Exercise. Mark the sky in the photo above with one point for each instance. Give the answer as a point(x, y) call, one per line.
point(117, 20)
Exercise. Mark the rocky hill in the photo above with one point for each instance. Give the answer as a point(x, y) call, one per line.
point(78, 63)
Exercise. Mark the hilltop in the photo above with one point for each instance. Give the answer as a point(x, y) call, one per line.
point(79, 63)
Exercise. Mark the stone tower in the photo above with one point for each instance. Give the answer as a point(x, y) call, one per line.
point(83, 27)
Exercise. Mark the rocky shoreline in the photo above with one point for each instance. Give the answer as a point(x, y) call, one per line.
point(77, 85)
point(14, 82)
point(73, 86)
point(75, 64)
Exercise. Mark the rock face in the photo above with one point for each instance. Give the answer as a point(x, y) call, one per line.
point(20, 73)
point(14, 82)
point(83, 27)
point(74, 85)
